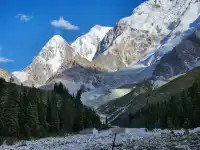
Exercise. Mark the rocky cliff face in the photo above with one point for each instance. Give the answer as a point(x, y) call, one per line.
point(4, 74)
point(8, 76)
point(87, 44)
point(151, 25)
point(126, 49)
point(181, 59)
point(57, 56)
point(47, 62)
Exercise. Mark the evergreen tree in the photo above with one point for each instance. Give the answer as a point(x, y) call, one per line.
point(171, 112)
point(186, 125)
point(78, 98)
point(30, 112)
point(53, 113)
point(170, 124)
point(130, 117)
point(21, 115)
point(9, 112)
point(55, 87)
point(106, 122)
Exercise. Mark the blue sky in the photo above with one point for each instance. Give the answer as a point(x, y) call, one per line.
point(26, 25)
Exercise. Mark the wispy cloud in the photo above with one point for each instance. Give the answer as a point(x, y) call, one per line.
point(3, 59)
point(23, 17)
point(64, 24)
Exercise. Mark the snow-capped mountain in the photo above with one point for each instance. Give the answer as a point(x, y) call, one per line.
point(130, 51)
point(136, 44)
point(58, 55)
point(152, 24)
point(47, 62)
point(9, 77)
point(139, 41)
point(87, 44)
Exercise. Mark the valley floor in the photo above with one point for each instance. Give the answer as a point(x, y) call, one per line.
point(126, 139)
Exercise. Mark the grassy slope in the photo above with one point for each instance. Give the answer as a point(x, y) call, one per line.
point(137, 102)
point(113, 107)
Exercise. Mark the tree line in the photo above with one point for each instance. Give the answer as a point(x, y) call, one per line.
point(177, 111)
point(33, 113)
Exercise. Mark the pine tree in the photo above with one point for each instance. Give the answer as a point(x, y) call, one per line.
point(82, 119)
point(78, 98)
point(21, 115)
point(55, 87)
point(67, 117)
point(42, 113)
point(60, 88)
point(186, 125)
point(130, 117)
point(27, 131)
point(9, 112)
point(106, 122)
point(30, 112)
point(170, 124)
point(53, 113)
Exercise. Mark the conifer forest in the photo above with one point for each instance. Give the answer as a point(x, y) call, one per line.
point(33, 113)
point(181, 110)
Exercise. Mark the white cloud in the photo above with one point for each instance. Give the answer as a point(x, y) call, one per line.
point(23, 17)
point(64, 24)
point(3, 59)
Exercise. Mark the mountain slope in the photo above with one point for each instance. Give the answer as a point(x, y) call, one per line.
point(151, 25)
point(182, 58)
point(47, 62)
point(171, 88)
point(87, 44)
point(8, 77)
point(79, 73)
point(58, 55)
point(4, 74)
point(136, 47)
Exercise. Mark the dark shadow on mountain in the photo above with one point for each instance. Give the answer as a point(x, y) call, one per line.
point(195, 23)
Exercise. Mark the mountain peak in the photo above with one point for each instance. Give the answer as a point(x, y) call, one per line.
point(47, 62)
point(87, 44)
point(57, 40)
point(97, 26)
point(169, 15)
point(57, 37)
point(100, 28)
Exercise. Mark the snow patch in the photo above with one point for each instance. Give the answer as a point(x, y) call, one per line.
point(87, 44)
point(101, 96)
point(56, 61)
point(21, 76)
